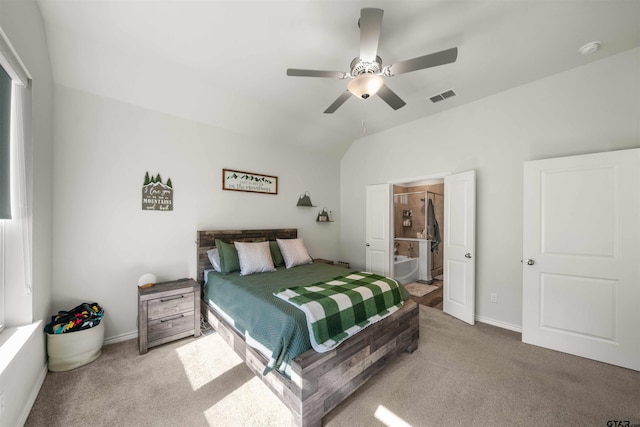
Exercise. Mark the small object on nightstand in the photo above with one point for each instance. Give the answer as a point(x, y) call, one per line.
point(168, 311)
point(147, 280)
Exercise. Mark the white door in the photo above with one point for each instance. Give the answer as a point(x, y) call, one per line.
point(581, 274)
point(459, 285)
point(377, 229)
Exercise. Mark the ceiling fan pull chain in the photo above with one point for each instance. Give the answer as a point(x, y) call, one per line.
point(364, 117)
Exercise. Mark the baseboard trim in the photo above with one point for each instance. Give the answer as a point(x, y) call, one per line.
point(26, 409)
point(122, 337)
point(499, 324)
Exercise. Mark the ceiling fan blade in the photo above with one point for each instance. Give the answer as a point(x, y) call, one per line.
point(391, 98)
point(370, 25)
point(338, 102)
point(316, 73)
point(432, 60)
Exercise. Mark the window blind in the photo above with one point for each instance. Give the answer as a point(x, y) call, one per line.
point(5, 147)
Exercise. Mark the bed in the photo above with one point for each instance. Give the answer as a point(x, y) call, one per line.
point(312, 383)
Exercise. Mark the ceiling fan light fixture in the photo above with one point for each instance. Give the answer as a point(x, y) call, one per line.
point(365, 85)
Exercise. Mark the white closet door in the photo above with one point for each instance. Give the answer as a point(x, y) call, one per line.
point(581, 249)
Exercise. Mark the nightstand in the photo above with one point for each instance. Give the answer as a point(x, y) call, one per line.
point(168, 311)
point(328, 261)
point(343, 264)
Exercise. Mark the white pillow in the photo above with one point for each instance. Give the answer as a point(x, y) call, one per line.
point(294, 252)
point(254, 257)
point(214, 258)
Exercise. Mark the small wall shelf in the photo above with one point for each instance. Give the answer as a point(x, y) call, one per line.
point(305, 200)
point(407, 217)
point(324, 216)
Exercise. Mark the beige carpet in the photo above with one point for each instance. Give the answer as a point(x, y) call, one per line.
point(460, 375)
point(419, 289)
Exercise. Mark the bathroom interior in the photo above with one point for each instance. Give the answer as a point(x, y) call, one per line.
point(418, 212)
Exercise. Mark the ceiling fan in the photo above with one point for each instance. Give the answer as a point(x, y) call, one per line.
point(367, 71)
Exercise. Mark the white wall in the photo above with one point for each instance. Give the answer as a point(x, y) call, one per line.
point(103, 240)
point(590, 109)
point(23, 371)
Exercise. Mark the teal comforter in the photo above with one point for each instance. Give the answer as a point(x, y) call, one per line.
point(275, 324)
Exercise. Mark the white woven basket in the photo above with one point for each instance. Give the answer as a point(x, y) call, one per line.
point(74, 349)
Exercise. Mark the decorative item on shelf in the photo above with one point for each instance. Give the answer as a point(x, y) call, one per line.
point(147, 280)
point(323, 216)
point(407, 214)
point(305, 200)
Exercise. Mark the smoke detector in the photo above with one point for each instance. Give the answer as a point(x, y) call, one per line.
point(590, 48)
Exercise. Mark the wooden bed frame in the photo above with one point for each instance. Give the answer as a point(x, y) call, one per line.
point(319, 381)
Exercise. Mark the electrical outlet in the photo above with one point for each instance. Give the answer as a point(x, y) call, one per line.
point(494, 297)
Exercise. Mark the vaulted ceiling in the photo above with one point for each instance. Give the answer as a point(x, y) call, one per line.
point(224, 63)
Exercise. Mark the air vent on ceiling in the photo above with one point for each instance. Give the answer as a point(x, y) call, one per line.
point(442, 96)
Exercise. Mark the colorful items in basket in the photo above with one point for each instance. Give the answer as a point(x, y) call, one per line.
point(84, 316)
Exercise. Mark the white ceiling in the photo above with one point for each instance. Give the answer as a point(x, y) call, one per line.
point(224, 63)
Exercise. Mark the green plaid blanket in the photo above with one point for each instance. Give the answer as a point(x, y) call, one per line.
point(339, 308)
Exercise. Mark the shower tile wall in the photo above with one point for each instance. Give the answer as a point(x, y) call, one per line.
point(436, 194)
point(409, 204)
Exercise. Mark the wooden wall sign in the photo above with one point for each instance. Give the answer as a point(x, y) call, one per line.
point(156, 195)
point(248, 181)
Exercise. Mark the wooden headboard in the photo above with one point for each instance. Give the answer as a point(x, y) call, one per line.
point(207, 239)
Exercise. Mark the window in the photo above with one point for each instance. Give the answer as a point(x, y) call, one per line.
point(15, 216)
point(5, 180)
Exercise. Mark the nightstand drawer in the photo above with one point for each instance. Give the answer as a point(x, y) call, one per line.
point(170, 325)
point(168, 305)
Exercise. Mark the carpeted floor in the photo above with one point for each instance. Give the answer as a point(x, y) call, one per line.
point(460, 375)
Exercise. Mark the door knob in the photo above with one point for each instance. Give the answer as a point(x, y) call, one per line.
point(467, 255)
point(367, 244)
point(530, 262)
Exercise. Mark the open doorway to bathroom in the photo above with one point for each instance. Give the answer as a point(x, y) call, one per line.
point(418, 235)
